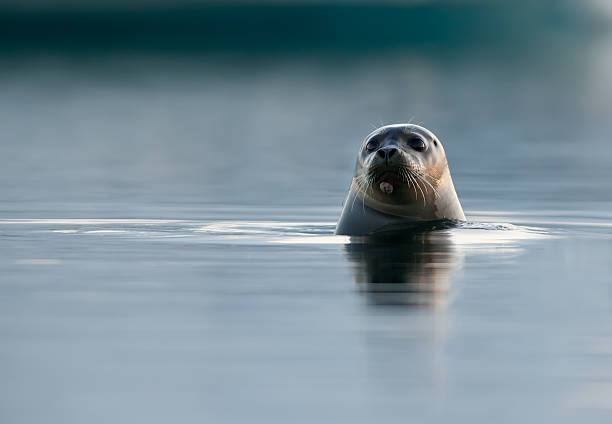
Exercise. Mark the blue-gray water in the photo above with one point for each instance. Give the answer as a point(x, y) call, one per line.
point(166, 247)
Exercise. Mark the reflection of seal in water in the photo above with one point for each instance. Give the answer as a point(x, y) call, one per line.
point(401, 177)
point(405, 269)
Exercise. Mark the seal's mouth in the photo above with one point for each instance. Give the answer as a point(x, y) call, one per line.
point(386, 187)
point(387, 181)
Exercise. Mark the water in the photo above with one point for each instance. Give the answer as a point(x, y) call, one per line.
point(167, 248)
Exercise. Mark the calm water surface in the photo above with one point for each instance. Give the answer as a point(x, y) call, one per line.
point(167, 249)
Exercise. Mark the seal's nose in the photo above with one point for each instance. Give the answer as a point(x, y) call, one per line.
point(386, 152)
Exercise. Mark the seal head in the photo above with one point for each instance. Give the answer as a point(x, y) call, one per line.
point(401, 176)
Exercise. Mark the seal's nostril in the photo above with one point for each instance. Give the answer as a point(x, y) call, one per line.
point(386, 152)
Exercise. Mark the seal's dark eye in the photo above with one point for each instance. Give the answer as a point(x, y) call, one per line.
point(417, 144)
point(372, 144)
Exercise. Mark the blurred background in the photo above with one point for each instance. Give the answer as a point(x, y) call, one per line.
point(112, 107)
point(170, 176)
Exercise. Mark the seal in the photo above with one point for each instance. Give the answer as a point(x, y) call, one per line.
point(401, 178)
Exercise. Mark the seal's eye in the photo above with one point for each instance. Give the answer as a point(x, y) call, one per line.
point(417, 144)
point(372, 144)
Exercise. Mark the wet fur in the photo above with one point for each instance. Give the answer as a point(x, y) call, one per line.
point(423, 187)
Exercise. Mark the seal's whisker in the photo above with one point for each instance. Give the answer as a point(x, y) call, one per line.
point(422, 193)
point(413, 185)
point(365, 182)
point(359, 183)
point(408, 179)
point(435, 191)
point(363, 204)
point(353, 202)
point(412, 179)
point(420, 176)
point(367, 188)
